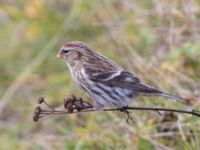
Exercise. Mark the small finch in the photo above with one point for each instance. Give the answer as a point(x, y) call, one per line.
point(102, 79)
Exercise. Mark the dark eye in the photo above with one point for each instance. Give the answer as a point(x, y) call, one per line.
point(65, 51)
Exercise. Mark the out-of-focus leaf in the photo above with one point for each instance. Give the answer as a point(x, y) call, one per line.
point(145, 145)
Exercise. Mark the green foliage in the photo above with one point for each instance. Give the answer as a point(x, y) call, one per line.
point(145, 145)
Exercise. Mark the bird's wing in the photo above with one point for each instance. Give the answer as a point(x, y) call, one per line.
point(98, 75)
point(121, 79)
point(127, 81)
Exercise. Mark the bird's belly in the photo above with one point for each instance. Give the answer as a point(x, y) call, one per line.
point(105, 95)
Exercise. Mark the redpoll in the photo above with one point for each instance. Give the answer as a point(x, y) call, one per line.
point(102, 79)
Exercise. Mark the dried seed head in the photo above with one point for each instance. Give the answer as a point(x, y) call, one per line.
point(40, 100)
point(36, 113)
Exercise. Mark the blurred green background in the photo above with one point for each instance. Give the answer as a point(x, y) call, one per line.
point(158, 40)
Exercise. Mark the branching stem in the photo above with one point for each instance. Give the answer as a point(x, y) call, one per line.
point(77, 105)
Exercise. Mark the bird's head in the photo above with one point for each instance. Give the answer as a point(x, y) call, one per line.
point(72, 51)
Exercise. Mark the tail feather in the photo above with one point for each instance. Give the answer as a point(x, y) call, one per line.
point(162, 94)
point(170, 96)
point(146, 90)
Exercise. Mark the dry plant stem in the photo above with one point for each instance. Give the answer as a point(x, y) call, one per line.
point(77, 105)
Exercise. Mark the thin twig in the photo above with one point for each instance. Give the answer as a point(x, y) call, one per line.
point(77, 105)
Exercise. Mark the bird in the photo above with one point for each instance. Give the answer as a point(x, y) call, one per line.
point(104, 81)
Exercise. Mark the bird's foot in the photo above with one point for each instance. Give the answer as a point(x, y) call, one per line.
point(127, 113)
point(73, 103)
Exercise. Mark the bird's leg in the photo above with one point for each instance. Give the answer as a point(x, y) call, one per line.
point(122, 109)
point(73, 103)
point(125, 111)
point(82, 105)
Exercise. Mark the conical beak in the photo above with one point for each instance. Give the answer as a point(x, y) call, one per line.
point(60, 55)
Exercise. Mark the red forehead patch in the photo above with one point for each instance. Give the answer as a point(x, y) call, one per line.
point(69, 45)
point(77, 44)
point(72, 44)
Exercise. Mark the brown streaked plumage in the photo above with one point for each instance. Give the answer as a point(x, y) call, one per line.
point(104, 81)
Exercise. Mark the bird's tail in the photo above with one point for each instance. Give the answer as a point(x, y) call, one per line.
point(146, 90)
point(170, 96)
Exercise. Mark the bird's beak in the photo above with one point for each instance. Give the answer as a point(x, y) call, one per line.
point(60, 55)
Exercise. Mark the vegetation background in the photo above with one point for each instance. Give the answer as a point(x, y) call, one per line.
point(158, 40)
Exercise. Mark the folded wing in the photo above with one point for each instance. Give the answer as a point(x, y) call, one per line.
point(122, 79)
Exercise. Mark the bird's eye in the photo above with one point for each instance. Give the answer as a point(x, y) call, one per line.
point(65, 51)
